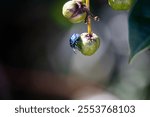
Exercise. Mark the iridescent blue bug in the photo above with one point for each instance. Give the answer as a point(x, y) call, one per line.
point(75, 38)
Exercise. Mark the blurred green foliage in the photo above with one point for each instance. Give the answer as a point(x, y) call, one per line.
point(56, 13)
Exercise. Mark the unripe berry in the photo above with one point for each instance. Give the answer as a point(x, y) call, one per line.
point(83, 1)
point(120, 4)
point(74, 11)
point(89, 44)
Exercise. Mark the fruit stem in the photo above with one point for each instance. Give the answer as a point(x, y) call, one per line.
point(89, 29)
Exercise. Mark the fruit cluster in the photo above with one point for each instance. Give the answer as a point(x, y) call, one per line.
point(77, 11)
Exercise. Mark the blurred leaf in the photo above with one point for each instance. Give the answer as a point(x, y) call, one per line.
point(56, 13)
point(139, 28)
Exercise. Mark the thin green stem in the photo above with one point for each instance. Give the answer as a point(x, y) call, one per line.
point(89, 29)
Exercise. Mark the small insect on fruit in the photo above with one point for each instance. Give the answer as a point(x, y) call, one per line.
point(85, 43)
point(75, 38)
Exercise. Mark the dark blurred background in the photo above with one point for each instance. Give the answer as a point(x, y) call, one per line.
point(36, 61)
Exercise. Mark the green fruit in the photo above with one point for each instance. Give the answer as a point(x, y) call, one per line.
point(83, 1)
point(72, 11)
point(89, 44)
point(79, 18)
point(120, 4)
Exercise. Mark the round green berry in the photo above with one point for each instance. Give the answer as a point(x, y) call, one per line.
point(89, 44)
point(120, 4)
point(83, 1)
point(73, 12)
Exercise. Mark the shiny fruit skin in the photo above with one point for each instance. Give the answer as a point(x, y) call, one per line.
point(71, 11)
point(89, 44)
point(120, 4)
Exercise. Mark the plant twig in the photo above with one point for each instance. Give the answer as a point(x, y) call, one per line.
point(89, 29)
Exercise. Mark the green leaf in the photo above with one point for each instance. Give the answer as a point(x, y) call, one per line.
point(139, 28)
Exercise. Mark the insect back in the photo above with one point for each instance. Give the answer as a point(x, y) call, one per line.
point(75, 41)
